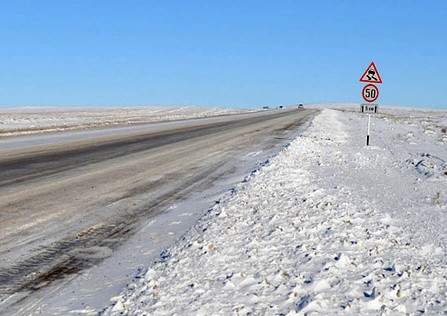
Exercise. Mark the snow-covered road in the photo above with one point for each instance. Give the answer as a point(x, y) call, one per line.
point(81, 211)
point(329, 225)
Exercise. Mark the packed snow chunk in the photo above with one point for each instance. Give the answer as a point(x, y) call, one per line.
point(429, 165)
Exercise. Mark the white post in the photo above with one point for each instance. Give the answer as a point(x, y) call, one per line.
point(367, 133)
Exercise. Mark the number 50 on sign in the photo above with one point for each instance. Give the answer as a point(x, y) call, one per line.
point(370, 93)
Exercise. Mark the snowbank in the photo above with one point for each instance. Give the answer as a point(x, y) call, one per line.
point(34, 120)
point(327, 226)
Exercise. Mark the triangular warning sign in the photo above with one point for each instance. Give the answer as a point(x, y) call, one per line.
point(371, 74)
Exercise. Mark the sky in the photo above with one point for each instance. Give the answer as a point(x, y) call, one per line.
point(220, 53)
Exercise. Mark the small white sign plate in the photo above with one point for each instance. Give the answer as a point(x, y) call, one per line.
point(369, 108)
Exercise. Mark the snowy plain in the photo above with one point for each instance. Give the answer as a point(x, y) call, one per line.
point(25, 121)
point(328, 226)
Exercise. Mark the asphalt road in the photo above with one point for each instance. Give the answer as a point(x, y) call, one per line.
point(68, 200)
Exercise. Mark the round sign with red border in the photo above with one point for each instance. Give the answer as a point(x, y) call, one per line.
point(370, 93)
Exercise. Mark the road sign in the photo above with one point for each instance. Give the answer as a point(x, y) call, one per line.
point(370, 93)
point(368, 108)
point(371, 74)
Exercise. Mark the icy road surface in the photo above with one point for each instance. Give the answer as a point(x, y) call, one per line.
point(328, 226)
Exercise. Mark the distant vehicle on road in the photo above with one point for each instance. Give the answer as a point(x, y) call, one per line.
point(265, 107)
point(300, 106)
point(280, 107)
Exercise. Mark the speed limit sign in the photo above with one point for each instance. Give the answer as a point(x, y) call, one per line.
point(370, 93)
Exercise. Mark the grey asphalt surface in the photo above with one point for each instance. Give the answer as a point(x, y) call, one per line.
point(68, 200)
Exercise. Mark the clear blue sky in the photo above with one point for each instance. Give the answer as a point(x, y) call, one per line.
point(228, 53)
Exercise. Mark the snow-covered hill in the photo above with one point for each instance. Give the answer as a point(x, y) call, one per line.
point(329, 225)
point(24, 121)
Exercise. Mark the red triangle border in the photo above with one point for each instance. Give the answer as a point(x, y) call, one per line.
point(377, 72)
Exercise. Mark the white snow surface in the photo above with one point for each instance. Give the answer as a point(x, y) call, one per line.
point(329, 226)
point(22, 121)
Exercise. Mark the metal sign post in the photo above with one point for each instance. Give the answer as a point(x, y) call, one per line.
point(368, 109)
point(367, 132)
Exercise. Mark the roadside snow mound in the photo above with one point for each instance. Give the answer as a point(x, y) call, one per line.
point(316, 230)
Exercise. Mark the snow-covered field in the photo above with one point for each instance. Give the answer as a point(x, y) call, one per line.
point(329, 225)
point(23, 121)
